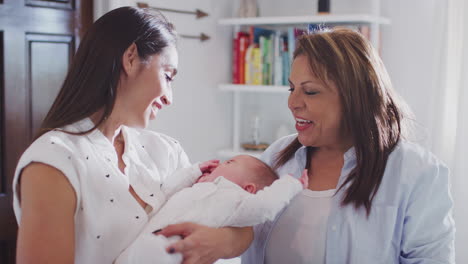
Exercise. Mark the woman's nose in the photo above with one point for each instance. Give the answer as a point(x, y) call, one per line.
point(167, 99)
point(294, 101)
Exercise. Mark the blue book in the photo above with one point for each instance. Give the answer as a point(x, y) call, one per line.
point(291, 43)
point(286, 67)
point(256, 32)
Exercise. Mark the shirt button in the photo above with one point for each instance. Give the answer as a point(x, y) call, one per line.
point(334, 228)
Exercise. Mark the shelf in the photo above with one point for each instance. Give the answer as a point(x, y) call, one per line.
point(254, 88)
point(294, 20)
point(229, 153)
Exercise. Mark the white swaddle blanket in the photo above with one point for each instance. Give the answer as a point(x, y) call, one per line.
point(215, 204)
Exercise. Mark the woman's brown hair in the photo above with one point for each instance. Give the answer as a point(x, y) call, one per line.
point(91, 82)
point(371, 113)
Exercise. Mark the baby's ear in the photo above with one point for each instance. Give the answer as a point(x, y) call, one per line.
point(251, 188)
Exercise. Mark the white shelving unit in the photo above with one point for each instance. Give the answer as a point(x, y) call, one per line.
point(356, 19)
point(374, 21)
point(254, 88)
point(297, 20)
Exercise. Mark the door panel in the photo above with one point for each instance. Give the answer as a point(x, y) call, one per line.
point(37, 42)
point(62, 4)
point(2, 82)
point(48, 55)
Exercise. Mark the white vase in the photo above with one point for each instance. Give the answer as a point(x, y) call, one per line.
point(248, 8)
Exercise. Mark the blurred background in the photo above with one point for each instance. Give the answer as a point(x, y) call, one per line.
point(423, 43)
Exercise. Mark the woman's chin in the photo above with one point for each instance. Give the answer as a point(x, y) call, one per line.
point(306, 140)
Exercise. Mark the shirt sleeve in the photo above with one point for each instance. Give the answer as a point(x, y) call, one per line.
point(182, 159)
point(181, 179)
point(265, 204)
point(428, 231)
point(55, 152)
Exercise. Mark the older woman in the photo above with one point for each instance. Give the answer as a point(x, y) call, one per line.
point(373, 196)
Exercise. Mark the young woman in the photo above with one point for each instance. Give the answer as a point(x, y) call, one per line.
point(85, 186)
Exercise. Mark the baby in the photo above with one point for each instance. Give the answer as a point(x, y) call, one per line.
point(242, 191)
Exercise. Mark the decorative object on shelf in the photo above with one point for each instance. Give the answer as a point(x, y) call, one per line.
point(248, 146)
point(198, 13)
point(324, 7)
point(248, 8)
point(256, 130)
point(255, 145)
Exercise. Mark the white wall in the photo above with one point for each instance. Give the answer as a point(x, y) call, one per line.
point(411, 51)
point(199, 117)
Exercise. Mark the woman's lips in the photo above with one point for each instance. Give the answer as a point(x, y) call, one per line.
point(154, 109)
point(302, 123)
point(301, 126)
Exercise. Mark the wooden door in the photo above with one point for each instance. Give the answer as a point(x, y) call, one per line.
point(37, 42)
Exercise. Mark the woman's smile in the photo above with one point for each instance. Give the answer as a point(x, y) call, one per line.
point(303, 124)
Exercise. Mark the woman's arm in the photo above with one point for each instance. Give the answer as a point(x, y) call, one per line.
point(202, 244)
point(48, 203)
point(429, 229)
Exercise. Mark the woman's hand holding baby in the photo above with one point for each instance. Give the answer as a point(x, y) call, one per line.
point(204, 245)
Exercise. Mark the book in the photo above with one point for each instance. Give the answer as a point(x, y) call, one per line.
point(312, 28)
point(253, 65)
point(278, 59)
point(244, 40)
point(291, 43)
point(235, 60)
point(263, 43)
point(257, 32)
point(248, 67)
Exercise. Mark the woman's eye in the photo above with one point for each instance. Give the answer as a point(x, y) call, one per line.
point(168, 78)
point(290, 89)
point(310, 92)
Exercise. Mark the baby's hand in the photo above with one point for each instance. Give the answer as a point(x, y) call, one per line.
point(209, 166)
point(304, 179)
point(203, 177)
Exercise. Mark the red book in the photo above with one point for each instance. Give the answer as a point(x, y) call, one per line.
point(235, 60)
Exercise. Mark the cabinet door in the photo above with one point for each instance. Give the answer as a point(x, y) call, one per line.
point(37, 43)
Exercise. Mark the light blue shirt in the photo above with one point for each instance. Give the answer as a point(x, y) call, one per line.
point(411, 216)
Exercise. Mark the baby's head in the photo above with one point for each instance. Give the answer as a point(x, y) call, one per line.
point(246, 171)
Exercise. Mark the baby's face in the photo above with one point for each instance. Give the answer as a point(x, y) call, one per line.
point(236, 170)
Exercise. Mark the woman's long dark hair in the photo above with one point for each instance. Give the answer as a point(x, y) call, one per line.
point(371, 113)
point(91, 82)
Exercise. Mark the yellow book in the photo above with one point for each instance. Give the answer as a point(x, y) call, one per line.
point(256, 66)
point(248, 65)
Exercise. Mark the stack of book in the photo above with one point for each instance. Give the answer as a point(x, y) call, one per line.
point(263, 56)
